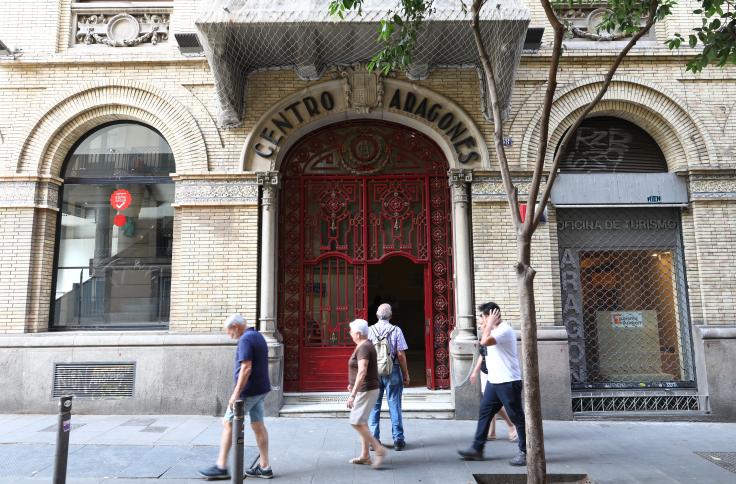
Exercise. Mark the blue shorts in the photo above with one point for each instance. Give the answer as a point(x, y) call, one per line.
point(253, 406)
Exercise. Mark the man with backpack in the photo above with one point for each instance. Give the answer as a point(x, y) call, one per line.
point(393, 373)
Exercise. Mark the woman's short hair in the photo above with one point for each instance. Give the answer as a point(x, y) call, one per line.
point(360, 326)
point(384, 311)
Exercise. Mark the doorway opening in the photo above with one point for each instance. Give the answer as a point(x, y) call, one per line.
point(401, 283)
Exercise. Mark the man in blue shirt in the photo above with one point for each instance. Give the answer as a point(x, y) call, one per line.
point(251, 385)
point(394, 383)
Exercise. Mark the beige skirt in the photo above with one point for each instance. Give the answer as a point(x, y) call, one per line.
point(362, 406)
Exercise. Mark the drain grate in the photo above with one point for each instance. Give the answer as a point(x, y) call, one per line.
point(55, 427)
point(727, 460)
point(94, 380)
point(138, 422)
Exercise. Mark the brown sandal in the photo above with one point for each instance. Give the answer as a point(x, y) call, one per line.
point(360, 461)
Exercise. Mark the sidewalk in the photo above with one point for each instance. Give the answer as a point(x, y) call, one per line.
point(169, 449)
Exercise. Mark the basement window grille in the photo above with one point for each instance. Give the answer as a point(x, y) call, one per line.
point(94, 380)
point(635, 403)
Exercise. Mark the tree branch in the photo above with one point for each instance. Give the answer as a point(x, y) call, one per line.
point(549, 95)
point(651, 18)
point(511, 191)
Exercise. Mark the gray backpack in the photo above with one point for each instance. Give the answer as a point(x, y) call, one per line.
point(383, 353)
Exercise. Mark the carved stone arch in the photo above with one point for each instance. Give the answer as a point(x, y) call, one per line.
point(346, 107)
point(67, 119)
point(680, 135)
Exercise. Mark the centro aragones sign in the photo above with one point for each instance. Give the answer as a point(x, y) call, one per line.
point(353, 98)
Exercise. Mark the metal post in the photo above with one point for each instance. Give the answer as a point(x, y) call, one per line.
point(238, 447)
point(62, 439)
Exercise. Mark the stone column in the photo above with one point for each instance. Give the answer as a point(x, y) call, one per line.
point(463, 340)
point(269, 183)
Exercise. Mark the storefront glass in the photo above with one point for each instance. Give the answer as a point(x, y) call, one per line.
point(116, 231)
point(624, 297)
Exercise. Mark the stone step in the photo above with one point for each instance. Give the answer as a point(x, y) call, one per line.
point(650, 416)
point(416, 403)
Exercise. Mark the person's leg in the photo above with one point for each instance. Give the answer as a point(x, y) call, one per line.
point(394, 393)
point(492, 432)
point(256, 411)
point(225, 441)
point(489, 405)
point(261, 433)
point(255, 407)
point(374, 420)
point(511, 397)
point(366, 438)
point(511, 427)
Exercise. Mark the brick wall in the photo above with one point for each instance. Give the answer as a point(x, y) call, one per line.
point(715, 239)
point(16, 229)
point(214, 268)
point(693, 126)
point(494, 260)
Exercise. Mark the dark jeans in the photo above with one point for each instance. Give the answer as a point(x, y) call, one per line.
point(495, 396)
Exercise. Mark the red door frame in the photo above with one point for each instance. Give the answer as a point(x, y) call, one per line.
point(322, 367)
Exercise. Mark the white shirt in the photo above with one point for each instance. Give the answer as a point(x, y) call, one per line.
point(502, 359)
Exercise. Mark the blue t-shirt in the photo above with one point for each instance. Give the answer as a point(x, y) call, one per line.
point(252, 347)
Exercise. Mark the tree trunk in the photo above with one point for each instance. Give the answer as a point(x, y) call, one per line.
point(537, 464)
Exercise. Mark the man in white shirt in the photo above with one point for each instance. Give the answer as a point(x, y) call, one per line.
point(503, 388)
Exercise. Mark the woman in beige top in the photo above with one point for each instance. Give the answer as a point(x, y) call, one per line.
point(363, 388)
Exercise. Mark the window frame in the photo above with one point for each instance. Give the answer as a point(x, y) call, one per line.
point(112, 180)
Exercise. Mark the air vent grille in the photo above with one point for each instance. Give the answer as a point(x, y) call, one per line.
point(94, 380)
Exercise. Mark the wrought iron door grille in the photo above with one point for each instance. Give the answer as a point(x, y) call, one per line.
point(624, 299)
point(635, 403)
point(94, 380)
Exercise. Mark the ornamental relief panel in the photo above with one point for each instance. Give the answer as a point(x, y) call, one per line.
point(117, 28)
point(215, 192)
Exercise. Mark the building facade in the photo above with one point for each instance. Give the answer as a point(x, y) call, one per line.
point(152, 182)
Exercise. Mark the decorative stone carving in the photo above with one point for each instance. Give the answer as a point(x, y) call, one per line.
point(122, 29)
point(215, 192)
point(713, 187)
point(490, 188)
point(583, 18)
point(458, 179)
point(363, 89)
point(269, 180)
point(29, 194)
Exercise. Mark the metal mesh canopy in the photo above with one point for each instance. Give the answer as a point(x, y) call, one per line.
point(242, 36)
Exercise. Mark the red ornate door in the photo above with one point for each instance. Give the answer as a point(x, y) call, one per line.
point(355, 194)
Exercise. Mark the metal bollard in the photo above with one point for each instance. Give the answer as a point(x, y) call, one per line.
point(62, 439)
point(238, 447)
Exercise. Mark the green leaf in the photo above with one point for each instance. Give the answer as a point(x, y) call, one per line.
point(693, 41)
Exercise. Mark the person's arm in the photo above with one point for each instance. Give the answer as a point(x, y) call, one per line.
point(362, 372)
point(476, 371)
point(245, 370)
point(404, 367)
point(487, 339)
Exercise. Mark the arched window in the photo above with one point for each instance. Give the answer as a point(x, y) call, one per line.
point(113, 266)
point(608, 144)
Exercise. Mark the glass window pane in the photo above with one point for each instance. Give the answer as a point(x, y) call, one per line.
point(121, 150)
point(114, 274)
